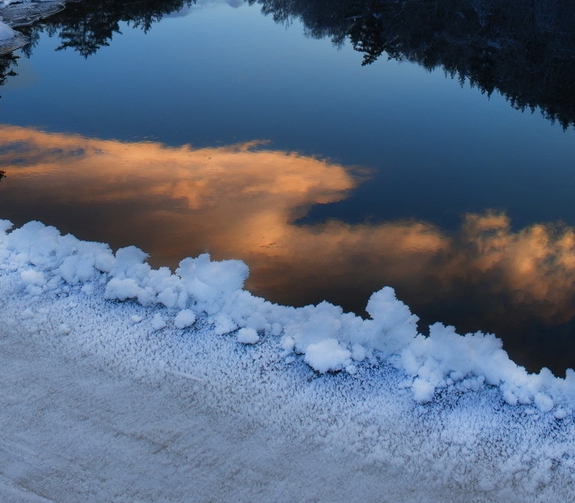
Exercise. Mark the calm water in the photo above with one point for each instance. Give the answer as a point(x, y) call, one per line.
point(219, 129)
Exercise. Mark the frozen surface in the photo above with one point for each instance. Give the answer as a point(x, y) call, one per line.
point(14, 13)
point(6, 33)
point(10, 40)
point(26, 12)
point(125, 383)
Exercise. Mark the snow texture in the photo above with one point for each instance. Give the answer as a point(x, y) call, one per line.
point(446, 417)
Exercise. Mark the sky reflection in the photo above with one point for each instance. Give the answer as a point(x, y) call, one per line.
point(243, 201)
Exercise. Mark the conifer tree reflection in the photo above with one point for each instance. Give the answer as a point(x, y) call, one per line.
point(7, 64)
point(525, 49)
point(88, 25)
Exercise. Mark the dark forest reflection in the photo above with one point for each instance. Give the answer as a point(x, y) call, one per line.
point(524, 49)
point(84, 26)
point(244, 202)
point(87, 25)
point(6, 67)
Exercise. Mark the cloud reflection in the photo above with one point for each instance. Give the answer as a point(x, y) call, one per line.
point(243, 201)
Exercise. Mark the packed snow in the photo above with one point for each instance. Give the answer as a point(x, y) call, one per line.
point(348, 408)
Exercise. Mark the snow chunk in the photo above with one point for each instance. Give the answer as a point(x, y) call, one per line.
point(248, 336)
point(122, 289)
point(130, 263)
point(327, 355)
point(358, 352)
point(33, 277)
point(158, 322)
point(5, 225)
point(393, 325)
point(423, 390)
point(78, 268)
point(184, 319)
point(543, 402)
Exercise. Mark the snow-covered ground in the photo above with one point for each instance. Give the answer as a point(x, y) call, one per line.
point(124, 383)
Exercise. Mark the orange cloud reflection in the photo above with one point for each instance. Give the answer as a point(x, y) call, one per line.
point(242, 202)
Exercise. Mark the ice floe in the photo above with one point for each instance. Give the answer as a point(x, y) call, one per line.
point(15, 13)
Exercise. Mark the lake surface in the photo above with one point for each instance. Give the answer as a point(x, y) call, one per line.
point(212, 127)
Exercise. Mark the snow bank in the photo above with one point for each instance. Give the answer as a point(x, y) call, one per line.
point(448, 416)
point(10, 40)
point(328, 339)
point(6, 33)
point(14, 13)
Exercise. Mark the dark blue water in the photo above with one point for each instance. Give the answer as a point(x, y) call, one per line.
point(490, 185)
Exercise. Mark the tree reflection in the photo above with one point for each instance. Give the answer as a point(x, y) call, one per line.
point(524, 49)
point(7, 64)
point(88, 25)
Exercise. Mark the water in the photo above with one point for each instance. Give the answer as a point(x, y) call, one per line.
point(384, 174)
